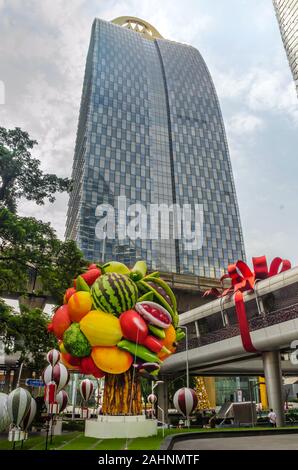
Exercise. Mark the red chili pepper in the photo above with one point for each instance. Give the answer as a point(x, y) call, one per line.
point(154, 344)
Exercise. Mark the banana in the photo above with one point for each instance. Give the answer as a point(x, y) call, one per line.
point(115, 267)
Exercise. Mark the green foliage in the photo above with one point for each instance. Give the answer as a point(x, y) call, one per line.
point(20, 173)
point(26, 333)
point(29, 246)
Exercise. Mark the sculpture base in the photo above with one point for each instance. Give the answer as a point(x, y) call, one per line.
point(113, 427)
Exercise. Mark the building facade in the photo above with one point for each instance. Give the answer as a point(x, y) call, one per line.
point(287, 16)
point(150, 129)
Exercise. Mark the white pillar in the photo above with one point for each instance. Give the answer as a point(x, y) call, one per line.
point(273, 376)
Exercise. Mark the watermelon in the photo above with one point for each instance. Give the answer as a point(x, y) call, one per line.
point(114, 293)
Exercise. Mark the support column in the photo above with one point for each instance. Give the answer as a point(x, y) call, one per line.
point(273, 376)
point(163, 402)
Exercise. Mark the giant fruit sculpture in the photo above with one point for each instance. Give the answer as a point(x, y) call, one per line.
point(119, 323)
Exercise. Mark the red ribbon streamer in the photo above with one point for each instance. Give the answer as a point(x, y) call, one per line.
point(243, 279)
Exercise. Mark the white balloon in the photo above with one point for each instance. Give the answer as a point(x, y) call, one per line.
point(30, 415)
point(4, 416)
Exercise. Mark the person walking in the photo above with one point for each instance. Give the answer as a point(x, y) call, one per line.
point(272, 418)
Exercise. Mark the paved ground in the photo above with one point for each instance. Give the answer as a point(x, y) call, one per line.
point(281, 442)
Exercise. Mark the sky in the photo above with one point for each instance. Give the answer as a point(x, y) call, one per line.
point(43, 47)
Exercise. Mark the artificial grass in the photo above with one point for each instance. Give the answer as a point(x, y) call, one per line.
point(77, 440)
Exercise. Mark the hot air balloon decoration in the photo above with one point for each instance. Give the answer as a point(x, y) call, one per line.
point(53, 357)
point(4, 416)
point(18, 405)
point(152, 399)
point(185, 401)
point(28, 419)
point(62, 400)
point(86, 390)
point(58, 374)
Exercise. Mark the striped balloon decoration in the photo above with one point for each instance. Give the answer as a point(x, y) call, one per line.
point(62, 400)
point(18, 405)
point(4, 416)
point(86, 389)
point(30, 415)
point(53, 357)
point(185, 401)
point(152, 398)
point(59, 374)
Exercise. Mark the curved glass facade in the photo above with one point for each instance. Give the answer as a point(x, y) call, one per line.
point(150, 128)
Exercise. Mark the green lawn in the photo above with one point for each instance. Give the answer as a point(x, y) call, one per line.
point(77, 440)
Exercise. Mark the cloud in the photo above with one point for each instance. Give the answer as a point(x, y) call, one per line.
point(244, 124)
point(43, 49)
point(260, 91)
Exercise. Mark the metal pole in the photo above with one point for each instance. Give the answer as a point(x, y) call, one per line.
point(187, 366)
point(104, 249)
point(74, 396)
point(163, 419)
point(251, 402)
point(20, 374)
point(186, 352)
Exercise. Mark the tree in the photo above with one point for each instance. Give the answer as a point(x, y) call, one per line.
point(26, 333)
point(28, 244)
point(203, 400)
point(20, 173)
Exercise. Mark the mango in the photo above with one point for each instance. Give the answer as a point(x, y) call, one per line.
point(101, 329)
point(79, 305)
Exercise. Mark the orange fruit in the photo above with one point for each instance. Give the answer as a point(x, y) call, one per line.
point(111, 359)
point(79, 305)
point(168, 342)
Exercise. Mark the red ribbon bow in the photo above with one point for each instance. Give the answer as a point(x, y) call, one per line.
point(243, 279)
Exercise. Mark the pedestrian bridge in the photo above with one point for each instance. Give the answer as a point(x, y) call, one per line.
point(214, 340)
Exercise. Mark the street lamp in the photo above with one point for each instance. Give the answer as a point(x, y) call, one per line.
point(153, 386)
point(186, 351)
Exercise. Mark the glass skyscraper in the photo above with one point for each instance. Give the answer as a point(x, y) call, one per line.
point(287, 16)
point(150, 128)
